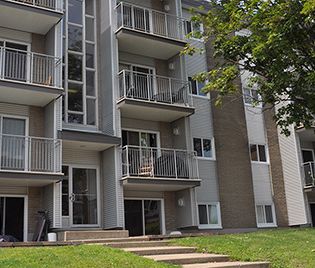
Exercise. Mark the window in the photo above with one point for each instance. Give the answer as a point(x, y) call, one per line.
point(258, 153)
point(196, 28)
point(251, 96)
point(265, 215)
point(196, 87)
point(143, 139)
point(203, 147)
point(307, 155)
point(79, 63)
point(209, 215)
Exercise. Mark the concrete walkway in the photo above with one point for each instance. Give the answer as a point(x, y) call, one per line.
point(187, 257)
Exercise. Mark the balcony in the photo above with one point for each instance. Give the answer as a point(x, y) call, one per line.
point(157, 169)
point(34, 16)
point(152, 97)
point(149, 32)
point(309, 178)
point(29, 78)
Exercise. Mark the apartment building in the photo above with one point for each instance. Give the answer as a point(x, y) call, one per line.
point(102, 125)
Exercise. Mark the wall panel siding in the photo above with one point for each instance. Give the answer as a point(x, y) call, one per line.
point(262, 184)
point(292, 178)
point(80, 157)
point(48, 202)
point(208, 191)
point(14, 109)
point(255, 125)
point(12, 190)
point(57, 223)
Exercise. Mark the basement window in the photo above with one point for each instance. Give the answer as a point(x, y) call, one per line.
point(209, 215)
point(265, 215)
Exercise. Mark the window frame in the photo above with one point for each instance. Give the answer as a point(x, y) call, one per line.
point(191, 23)
point(191, 80)
point(258, 154)
point(251, 96)
point(265, 224)
point(202, 148)
point(208, 225)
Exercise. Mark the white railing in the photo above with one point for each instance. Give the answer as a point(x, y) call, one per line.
point(55, 5)
point(30, 154)
point(30, 67)
point(154, 88)
point(309, 172)
point(147, 162)
point(150, 21)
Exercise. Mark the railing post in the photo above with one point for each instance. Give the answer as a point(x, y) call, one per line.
point(31, 64)
point(1, 62)
point(124, 83)
point(28, 148)
point(127, 161)
point(166, 24)
point(170, 89)
point(122, 14)
point(175, 163)
point(152, 163)
point(0, 151)
point(132, 17)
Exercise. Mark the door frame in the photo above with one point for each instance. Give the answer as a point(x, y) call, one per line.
point(163, 230)
point(311, 217)
point(25, 216)
point(71, 166)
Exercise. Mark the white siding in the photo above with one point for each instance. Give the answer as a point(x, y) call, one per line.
point(48, 201)
point(292, 178)
point(255, 125)
point(57, 220)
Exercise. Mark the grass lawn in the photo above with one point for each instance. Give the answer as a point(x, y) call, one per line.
point(286, 248)
point(86, 256)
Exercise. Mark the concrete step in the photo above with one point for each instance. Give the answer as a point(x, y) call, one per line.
point(228, 265)
point(160, 250)
point(189, 258)
point(91, 235)
point(137, 244)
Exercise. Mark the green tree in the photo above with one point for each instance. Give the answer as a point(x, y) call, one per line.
point(278, 49)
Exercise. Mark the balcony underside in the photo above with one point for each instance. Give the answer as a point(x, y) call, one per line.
point(27, 94)
point(14, 178)
point(154, 111)
point(141, 43)
point(84, 140)
point(158, 184)
point(27, 18)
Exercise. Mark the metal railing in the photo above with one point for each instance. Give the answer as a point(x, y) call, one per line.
point(29, 67)
point(309, 172)
point(151, 162)
point(30, 154)
point(55, 5)
point(150, 21)
point(154, 88)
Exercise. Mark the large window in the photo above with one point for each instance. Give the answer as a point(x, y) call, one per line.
point(265, 215)
point(204, 147)
point(209, 215)
point(258, 153)
point(79, 62)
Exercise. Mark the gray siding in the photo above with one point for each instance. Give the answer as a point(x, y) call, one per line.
point(57, 222)
point(80, 157)
point(113, 192)
point(262, 184)
point(48, 202)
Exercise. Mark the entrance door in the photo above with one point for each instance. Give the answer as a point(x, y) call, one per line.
point(143, 217)
point(313, 214)
point(12, 217)
point(83, 197)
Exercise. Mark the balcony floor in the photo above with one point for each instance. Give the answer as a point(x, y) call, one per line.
point(158, 184)
point(153, 111)
point(146, 44)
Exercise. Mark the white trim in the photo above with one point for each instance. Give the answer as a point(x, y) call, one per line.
point(25, 220)
point(210, 226)
point(266, 225)
point(162, 227)
point(98, 202)
point(213, 157)
point(267, 162)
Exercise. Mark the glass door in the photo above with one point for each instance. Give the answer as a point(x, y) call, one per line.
point(13, 143)
point(143, 81)
point(84, 197)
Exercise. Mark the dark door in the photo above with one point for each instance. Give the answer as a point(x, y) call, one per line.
point(134, 217)
point(12, 217)
point(152, 212)
point(313, 214)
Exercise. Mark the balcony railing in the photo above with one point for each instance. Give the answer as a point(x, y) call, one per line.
point(154, 88)
point(30, 154)
point(146, 162)
point(55, 5)
point(29, 67)
point(308, 170)
point(150, 21)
